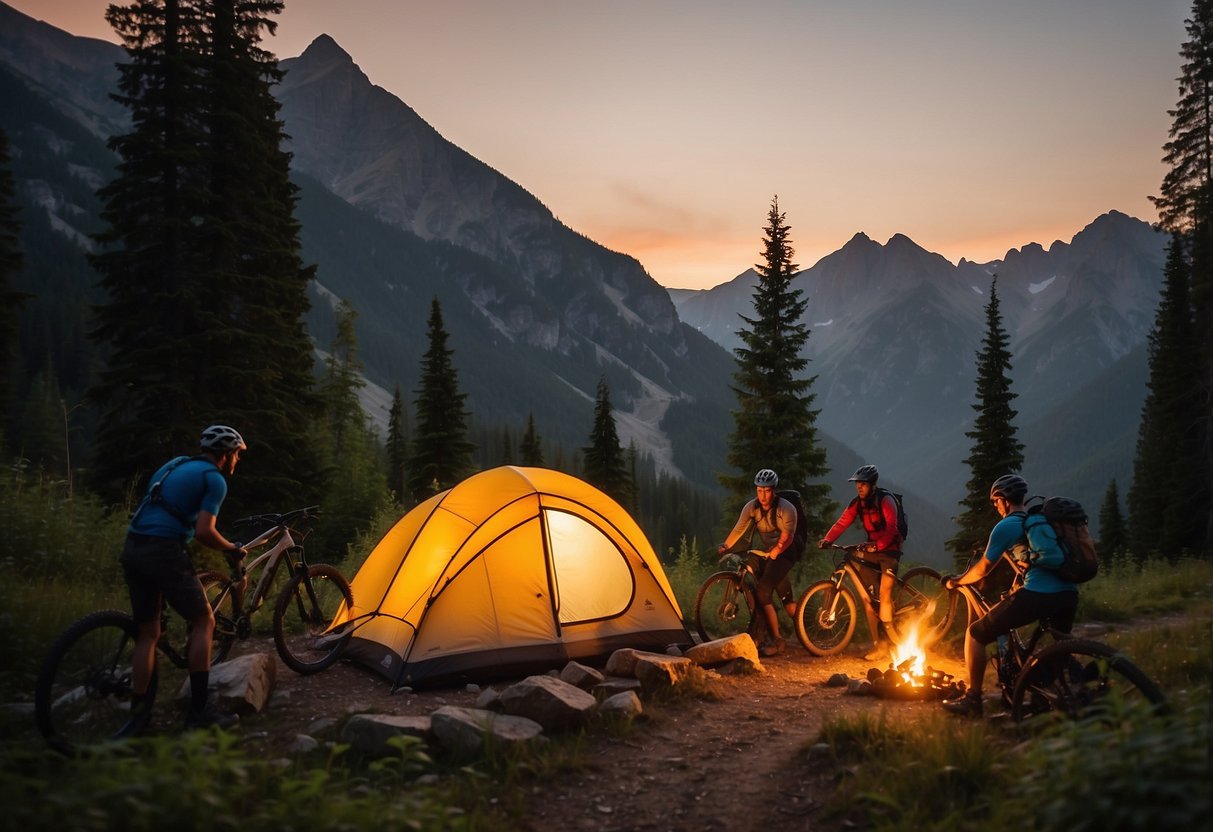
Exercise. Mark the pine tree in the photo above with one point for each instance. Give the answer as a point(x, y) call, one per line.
point(397, 450)
point(775, 425)
point(531, 449)
point(1170, 484)
point(996, 450)
point(200, 258)
point(1185, 206)
point(1111, 525)
point(605, 464)
point(338, 389)
point(441, 453)
point(11, 260)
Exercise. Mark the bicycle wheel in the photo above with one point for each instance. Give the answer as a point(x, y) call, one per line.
point(218, 588)
point(825, 618)
point(1082, 678)
point(306, 607)
point(922, 607)
point(83, 693)
point(724, 607)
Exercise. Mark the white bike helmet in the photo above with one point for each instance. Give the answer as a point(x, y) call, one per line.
point(221, 439)
point(766, 478)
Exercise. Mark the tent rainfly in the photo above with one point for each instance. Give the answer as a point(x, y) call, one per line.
point(513, 571)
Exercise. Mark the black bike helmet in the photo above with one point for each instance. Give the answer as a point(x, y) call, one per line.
point(766, 478)
point(1011, 487)
point(221, 439)
point(865, 473)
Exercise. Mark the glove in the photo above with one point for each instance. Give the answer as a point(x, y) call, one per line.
point(235, 560)
point(823, 544)
point(946, 579)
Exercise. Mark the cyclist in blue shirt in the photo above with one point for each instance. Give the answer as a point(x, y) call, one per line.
point(1043, 595)
point(182, 502)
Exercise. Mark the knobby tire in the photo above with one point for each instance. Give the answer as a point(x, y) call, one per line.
point(83, 693)
point(724, 606)
point(1082, 678)
point(302, 617)
point(826, 618)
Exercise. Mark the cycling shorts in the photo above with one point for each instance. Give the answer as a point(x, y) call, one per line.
point(774, 575)
point(1026, 607)
point(158, 569)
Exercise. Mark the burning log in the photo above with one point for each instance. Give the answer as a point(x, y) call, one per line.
point(902, 682)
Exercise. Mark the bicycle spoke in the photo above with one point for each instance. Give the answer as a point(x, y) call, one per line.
point(723, 607)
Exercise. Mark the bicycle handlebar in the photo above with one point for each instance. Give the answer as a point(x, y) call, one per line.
point(305, 513)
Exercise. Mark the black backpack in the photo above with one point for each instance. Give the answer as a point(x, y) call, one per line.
point(1068, 520)
point(903, 526)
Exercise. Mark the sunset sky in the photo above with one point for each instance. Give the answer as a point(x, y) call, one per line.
point(662, 128)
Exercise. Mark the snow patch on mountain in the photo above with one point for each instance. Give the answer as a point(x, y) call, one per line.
point(1037, 288)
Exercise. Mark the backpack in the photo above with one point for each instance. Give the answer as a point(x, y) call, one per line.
point(1068, 521)
point(801, 538)
point(903, 527)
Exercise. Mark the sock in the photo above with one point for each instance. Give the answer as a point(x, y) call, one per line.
point(199, 681)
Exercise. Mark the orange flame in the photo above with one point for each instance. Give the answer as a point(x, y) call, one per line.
point(910, 648)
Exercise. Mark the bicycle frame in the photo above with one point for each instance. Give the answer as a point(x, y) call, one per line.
point(268, 562)
point(848, 569)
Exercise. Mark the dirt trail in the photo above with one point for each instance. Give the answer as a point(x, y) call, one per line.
point(732, 763)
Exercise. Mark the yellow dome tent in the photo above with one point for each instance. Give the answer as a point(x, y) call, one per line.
point(512, 571)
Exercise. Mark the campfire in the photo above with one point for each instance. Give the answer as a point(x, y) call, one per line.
point(910, 677)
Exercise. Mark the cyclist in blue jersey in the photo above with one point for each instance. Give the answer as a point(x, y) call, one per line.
point(1043, 595)
point(182, 502)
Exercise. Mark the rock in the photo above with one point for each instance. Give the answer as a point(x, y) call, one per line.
point(302, 744)
point(838, 680)
point(463, 732)
point(242, 685)
point(859, 687)
point(624, 705)
point(489, 700)
point(657, 672)
point(741, 666)
point(368, 734)
point(554, 704)
point(579, 675)
point(613, 685)
point(721, 650)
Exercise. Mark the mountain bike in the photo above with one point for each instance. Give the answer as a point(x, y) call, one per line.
point(827, 614)
point(1072, 676)
point(305, 606)
point(724, 605)
point(82, 695)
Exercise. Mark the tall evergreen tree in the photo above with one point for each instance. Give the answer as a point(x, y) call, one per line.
point(353, 482)
point(996, 450)
point(441, 453)
point(775, 423)
point(1111, 524)
point(531, 448)
point(10, 264)
point(1170, 482)
point(1185, 206)
point(200, 258)
point(397, 450)
point(605, 464)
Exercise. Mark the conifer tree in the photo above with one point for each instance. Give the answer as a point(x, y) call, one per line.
point(1111, 524)
point(1170, 483)
point(531, 449)
point(605, 464)
point(10, 264)
point(397, 450)
point(200, 257)
point(775, 423)
point(441, 453)
point(353, 483)
point(1185, 206)
point(995, 450)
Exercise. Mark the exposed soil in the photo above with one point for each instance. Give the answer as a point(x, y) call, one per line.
point(736, 760)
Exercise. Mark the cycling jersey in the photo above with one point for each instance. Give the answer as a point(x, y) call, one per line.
point(187, 486)
point(884, 536)
point(1008, 535)
point(770, 525)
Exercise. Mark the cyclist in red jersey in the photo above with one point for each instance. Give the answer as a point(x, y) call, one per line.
point(877, 511)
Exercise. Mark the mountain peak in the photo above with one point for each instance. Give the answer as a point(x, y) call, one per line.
point(325, 49)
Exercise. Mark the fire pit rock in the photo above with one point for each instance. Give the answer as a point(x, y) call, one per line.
point(902, 682)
